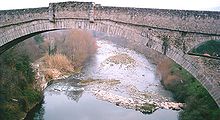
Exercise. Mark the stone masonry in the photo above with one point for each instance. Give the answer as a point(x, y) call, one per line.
point(181, 29)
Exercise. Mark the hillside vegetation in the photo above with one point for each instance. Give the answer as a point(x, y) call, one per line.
point(211, 47)
point(17, 90)
point(199, 104)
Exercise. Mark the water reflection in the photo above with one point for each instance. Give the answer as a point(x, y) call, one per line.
point(70, 88)
point(65, 105)
point(37, 113)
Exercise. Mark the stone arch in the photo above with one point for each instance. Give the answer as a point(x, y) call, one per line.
point(18, 31)
point(200, 39)
point(127, 32)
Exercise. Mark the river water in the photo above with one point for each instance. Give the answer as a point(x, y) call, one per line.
point(124, 68)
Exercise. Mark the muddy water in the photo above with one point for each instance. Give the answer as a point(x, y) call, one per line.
point(71, 100)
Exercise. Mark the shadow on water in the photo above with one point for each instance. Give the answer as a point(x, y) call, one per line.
point(37, 112)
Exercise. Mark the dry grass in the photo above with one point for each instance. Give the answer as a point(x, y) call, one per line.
point(171, 79)
point(164, 68)
point(59, 62)
point(52, 74)
point(74, 47)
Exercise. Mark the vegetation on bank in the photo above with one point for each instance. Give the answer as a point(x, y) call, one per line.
point(17, 91)
point(67, 53)
point(199, 104)
point(211, 47)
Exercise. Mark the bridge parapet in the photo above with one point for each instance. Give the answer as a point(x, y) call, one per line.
point(76, 10)
point(9, 17)
point(205, 22)
point(176, 20)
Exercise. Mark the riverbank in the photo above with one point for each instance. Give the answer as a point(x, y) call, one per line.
point(50, 68)
point(185, 88)
point(144, 102)
point(17, 91)
point(199, 103)
point(139, 100)
point(46, 72)
point(65, 52)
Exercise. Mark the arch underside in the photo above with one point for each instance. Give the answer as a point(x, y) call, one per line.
point(17, 33)
point(20, 39)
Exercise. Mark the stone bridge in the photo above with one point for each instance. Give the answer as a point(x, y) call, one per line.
point(181, 30)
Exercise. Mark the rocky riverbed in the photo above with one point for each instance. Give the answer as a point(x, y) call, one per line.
point(108, 90)
point(132, 98)
point(125, 94)
point(120, 77)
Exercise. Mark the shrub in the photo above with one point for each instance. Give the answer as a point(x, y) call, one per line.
point(78, 45)
point(59, 62)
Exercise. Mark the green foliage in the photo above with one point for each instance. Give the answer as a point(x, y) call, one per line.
point(211, 47)
point(199, 104)
point(24, 104)
point(31, 95)
point(16, 85)
point(9, 112)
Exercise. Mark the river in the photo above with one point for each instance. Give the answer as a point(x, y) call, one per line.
point(113, 71)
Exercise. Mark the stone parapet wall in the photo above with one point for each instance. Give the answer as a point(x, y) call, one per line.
point(180, 20)
point(72, 9)
point(207, 22)
point(8, 17)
